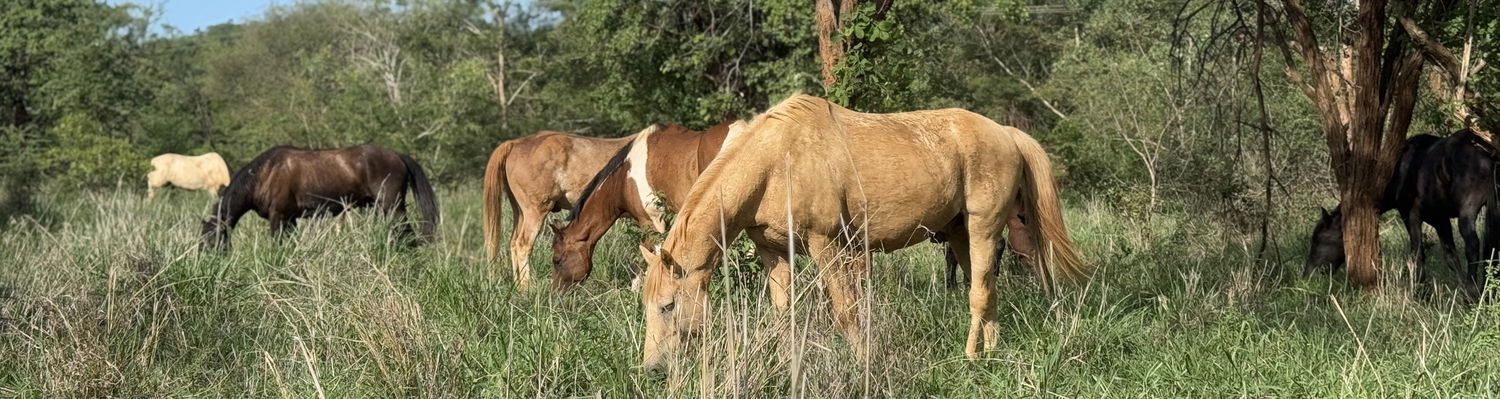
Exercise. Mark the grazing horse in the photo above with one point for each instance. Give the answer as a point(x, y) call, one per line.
point(202, 172)
point(1437, 179)
point(812, 176)
point(537, 174)
point(668, 158)
point(662, 161)
point(286, 183)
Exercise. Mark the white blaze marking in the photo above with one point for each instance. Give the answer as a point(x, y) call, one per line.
point(639, 153)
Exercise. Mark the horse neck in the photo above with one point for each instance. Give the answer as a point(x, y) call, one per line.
point(709, 144)
point(698, 233)
point(716, 208)
point(694, 247)
point(233, 203)
point(601, 210)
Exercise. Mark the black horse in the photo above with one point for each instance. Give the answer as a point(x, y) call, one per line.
point(285, 183)
point(1437, 179)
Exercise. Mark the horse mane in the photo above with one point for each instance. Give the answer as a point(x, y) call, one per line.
point(609, 169)
point(243, 181)
point(797, 110)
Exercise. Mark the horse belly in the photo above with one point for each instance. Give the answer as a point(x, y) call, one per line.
point(184, 176)
point(309, 206)
point(889, 231)
point(905, 209)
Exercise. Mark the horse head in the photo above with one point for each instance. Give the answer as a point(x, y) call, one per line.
point(1327, 247)
point(664, 318)
point(572, 251)
point(215, 234)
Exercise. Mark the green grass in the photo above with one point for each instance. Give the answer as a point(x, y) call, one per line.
point(108, 296)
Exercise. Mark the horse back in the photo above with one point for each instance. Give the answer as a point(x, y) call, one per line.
point(899, 172)
point(676, 156)
point(296, 179)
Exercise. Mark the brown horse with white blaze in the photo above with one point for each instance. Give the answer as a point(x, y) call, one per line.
point(537, 174)
point(284, 184)
point(832, 183)
point(663, 161)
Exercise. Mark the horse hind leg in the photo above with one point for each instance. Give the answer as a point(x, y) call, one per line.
point(1444, 230)
point(1491, 246)
point(982, 310)
point(523, 235)
point(391, 204)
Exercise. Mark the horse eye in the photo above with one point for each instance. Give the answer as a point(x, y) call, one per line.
point(668, 307)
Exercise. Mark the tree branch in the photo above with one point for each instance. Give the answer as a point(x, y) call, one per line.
point(985, 37)
point(1435, 51)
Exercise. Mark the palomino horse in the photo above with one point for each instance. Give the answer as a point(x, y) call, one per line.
point(203, 172)
point(285, 183)
point(815, 177)
point(540, 173)
point(1437, 179)
point(663, 160)
point(670, 157)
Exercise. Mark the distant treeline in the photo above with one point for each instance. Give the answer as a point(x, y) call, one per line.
point(1120, 91)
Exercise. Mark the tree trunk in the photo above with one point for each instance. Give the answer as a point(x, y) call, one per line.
point(1375, 80)
point(1365, 169)
point(830, 17)
point(1361, 228)
point(830, 51)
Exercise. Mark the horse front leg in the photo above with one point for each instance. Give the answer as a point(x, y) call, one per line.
point(957, 258)
point(839, 269)
point(153, 181)
point(282, 225)
point(778, 277)
point(1466, 221)
point(1414, 267)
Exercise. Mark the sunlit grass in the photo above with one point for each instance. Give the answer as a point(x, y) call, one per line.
point(108, 296)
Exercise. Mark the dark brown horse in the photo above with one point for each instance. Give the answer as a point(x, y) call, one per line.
point(659, 166)
point(1437, 180)
point(285, 183)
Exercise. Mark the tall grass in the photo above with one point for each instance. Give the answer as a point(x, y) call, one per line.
point(110, 297)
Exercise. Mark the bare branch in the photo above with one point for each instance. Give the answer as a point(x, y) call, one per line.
point(985, 37)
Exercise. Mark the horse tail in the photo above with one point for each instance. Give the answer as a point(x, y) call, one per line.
point(426, 198)
point(1058, 257)
point(494, 191)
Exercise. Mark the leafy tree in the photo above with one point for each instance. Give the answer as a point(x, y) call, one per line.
point(68, 64)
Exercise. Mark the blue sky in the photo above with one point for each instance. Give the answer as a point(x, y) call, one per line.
point(190, 15)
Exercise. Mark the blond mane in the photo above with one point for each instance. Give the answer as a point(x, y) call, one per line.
point(798, 110)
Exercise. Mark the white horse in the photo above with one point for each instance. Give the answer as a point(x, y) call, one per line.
point(203, 172)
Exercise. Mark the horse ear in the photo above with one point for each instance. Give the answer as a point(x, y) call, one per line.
point(1325, 211)
point(650, 255)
